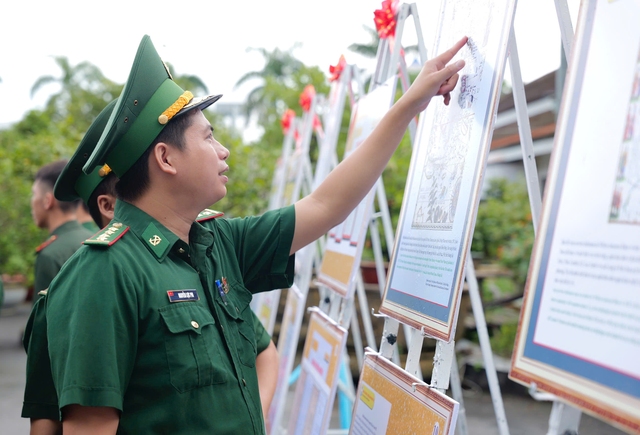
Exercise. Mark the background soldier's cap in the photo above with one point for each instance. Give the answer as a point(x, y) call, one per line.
point(149, 100)
point(72, 182)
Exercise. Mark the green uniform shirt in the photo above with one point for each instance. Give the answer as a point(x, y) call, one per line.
point(52, 254)
point(40, 397)
point(91, 226)
point(143, 326)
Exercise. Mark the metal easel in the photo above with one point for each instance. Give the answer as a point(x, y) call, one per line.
point(308, 181)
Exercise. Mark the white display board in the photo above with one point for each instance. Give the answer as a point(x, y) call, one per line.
point(445, 178)
point(345, 242)
point(579, 332)
point(318, 381)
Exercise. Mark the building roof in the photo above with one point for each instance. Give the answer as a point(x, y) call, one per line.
point(541, 107)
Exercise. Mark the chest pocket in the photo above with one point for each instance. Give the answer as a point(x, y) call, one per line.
point(191, 344)
point(241, 318)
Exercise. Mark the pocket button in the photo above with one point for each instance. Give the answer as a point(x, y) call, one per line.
point(195, 324)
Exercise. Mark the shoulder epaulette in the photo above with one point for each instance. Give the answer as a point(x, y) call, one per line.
point(108, 235)
point(46, 243)
point(207, 214)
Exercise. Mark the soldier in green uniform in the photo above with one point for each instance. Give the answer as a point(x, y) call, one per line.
point(97, 190)
point(59, 217)
point(161, 339)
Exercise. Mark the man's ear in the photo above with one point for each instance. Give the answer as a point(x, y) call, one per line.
point(163, 155)
point(48, 200)
point(106, 205)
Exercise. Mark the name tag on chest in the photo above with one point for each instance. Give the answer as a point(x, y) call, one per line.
point(183, 295)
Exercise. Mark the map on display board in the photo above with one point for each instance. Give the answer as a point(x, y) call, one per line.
point(445, 178)
point(318, 381)
point(579, 330)
point(391, 401)
point(345, 242)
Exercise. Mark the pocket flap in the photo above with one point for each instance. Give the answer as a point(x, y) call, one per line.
point(186, 316)
point(238, 300)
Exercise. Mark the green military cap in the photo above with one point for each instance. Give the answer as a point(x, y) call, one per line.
point(72, 182)
point(149, 100)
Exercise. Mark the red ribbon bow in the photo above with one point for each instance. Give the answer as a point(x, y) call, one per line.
point(306, 97)
point(287, 118)
point(336, 71)
point(385, 18)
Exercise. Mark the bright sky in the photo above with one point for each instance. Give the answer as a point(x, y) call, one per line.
point(209, 38)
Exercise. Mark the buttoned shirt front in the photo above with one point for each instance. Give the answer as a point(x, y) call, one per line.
point(161, 329)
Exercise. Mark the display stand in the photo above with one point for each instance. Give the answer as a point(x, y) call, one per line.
point(445, 355)
point(309, 255)
point(564, 419)
point(292, 180)
point(342, 309)
point(265, 305)
point(339, 271)
point(299, 180)
point(390, 62)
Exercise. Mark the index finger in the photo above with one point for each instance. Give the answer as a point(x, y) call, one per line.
point(448, 55)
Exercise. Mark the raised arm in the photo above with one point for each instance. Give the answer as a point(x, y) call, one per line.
point(351, 180)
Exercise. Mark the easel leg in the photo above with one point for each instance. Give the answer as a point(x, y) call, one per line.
point(456, 391)
point(485, 345)
point(564, 419)
point(364, 309)
point(357, 337)
point(442, 364)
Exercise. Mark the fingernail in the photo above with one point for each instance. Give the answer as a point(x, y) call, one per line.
point(460, 64)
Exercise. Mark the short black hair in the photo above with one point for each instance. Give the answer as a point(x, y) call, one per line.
point(84, 206)
point(135, 182)
point(48, 175)
point(106, 187)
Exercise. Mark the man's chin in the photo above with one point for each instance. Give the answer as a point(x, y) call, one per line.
point(219, 196)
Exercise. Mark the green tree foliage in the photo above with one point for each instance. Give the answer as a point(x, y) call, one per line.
point(32, 143)
point(43, 136)
point(279, 68)
point(504, 231)
point(258, 160)
point(369, 49)
point(83, 93)
point(279, 96)
point(54, 132)
point(188, 82)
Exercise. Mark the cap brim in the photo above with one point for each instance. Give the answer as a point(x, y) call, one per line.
point(199, 103)
point(73, 183)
